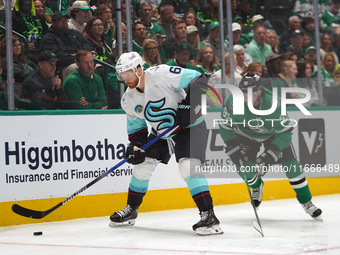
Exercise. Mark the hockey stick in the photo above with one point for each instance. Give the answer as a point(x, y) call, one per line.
point(41, 214)
point(256, 225)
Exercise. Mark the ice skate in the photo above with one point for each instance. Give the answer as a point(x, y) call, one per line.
point(312, 210)
point(208, 224)
point(256, 195)
point(124, 217)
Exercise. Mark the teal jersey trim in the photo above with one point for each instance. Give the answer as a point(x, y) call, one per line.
point(140, 186)
point(135, 125)
point(197, 185)
point(188, 76)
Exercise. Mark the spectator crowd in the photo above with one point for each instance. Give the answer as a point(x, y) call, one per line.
point(54, 61)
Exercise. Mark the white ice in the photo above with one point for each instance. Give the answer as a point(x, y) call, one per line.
point(288, 230)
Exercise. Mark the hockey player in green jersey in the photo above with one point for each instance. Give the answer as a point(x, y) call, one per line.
point(245, 134)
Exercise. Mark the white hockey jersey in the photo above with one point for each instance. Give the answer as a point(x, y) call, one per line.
point(157, 106)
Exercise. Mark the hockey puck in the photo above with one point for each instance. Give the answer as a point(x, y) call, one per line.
point(39, 233)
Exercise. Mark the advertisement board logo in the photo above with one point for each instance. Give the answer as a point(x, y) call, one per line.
point(312, 146)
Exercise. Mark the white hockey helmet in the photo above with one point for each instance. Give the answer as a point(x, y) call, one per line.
point(129, 61)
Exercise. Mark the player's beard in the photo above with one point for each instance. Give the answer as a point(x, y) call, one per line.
point(133, 84)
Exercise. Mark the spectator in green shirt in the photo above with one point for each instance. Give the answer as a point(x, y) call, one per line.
point(83, 87)
point(139, 35)
point(257, 48)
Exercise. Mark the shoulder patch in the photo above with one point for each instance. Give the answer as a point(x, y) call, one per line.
point(139, 108)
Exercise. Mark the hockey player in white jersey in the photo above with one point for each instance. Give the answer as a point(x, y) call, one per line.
point(157, 96)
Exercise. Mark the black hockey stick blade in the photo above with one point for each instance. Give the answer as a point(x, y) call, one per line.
point(41, 214)
point(18, 209)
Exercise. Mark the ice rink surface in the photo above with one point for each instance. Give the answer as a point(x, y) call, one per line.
point(288, 230)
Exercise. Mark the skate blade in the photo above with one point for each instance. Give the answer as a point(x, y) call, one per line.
point(122, 224)
point(318, 218)
point(258, 228)
point(207, 231)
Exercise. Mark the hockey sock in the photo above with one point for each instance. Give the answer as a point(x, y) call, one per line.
point(297, 180)
point(199, 190)
point(137, 190)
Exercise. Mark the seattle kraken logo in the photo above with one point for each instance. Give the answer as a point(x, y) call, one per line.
point(155, 113)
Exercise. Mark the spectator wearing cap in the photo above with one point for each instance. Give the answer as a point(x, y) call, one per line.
point(43, 87)
point(166, 19)
point(310, 56)
point(330, 20)
point(272, 78)
point(213, 40)
point(257, 20)
point(294, 23)
point(248, 33)
point(79, 14)
point(296, 42)
point(179, 34)
point(257, 48)
point(64, 43)
point(237, 33)
point(182, 57)
point(193, 40)
point(245, 37)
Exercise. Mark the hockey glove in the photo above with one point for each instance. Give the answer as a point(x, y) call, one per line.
point(185, 114)
point(270, 156)
point(236, 152)
point(135, 153)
